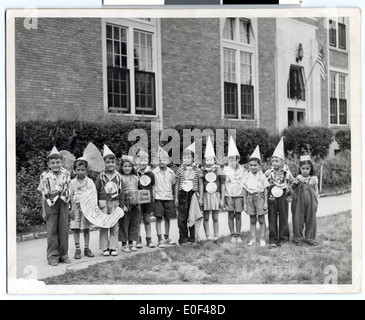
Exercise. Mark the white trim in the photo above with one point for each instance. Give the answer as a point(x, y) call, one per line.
point(153, 27)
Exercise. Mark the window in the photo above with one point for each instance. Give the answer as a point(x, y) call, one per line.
point(337, 33)
point(229, 29)
point(342, 36)
point(296, 87)
point(245, 31)
point(338, 99)
point(296, 117)
point(131, 67)
point(238, 69)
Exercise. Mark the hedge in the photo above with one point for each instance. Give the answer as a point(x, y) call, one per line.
point(313, 140)
point(35, 139)
point(343, 138)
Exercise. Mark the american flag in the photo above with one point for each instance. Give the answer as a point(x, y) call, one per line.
point(320, 61)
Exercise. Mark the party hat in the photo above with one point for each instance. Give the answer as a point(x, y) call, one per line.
point(54, 152)
point(256, 154)
point(107, 152)
point(209, 150)
point(232, 148)
point(305, 158)
point(191, 148)
point(279, 151)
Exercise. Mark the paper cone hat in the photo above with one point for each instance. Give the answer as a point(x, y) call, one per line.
point(128, 158)
point(305, 158)
point(191, 148)
point(54, 152)
point(107, 152)
point(232, 148)
point(209, 150)
point(256, 154)
point(142, 154)
point(279, 151)
point(163, 155)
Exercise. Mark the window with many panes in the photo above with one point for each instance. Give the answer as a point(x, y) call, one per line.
point(337, 33)
point(338, 99)
point(238, 69)
point(131, 75)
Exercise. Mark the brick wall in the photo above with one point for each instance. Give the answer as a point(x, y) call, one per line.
point(191, 75)
point(267, 73)
point(59, 69)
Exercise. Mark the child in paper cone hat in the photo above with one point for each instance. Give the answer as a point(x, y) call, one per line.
point(213, 191)
point(55, 187)
point(234, 173)
point(79, 185)
point(146, 182)
point(280, 179)
point(189, 182)
point(256, 197)
point(110, 196)
point(165, 180)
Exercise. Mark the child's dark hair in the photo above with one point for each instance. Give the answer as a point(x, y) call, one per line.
point(122, 162)
point(302, 163)
point(257, 160)
point(79, 163)
point(110, 156)
point(55, 156)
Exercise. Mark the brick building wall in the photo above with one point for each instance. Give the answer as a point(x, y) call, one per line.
point(267, 73)
point(191, 74)
point(59, 70)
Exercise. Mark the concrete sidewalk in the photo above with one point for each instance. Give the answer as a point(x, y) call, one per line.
point(31, 255)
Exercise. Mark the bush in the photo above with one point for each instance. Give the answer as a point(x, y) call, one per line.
point(246, 140)
point(343, 138)
point(28, 199)
point(34, 137)
point(313, 140)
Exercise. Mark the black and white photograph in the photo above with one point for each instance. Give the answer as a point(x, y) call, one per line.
point(184, 151)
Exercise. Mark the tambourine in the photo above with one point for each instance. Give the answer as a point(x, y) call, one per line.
point(187, 185)
point(145, 180)
point(277, 192)
point(189, 174)
point(235, 191)
point(211, 187)
point(111, 187)
point(211, 177)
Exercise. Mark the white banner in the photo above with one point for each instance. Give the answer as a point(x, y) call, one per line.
point(92, 212)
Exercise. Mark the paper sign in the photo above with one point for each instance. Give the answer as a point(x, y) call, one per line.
point(139, 197)
point(92, 212)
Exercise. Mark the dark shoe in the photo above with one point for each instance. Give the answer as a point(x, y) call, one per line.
point(53, 264)
point(312, 243)
point(88, 253)
point(66, 261)
point(77, 254)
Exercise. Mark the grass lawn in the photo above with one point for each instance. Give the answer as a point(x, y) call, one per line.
point(226, 263)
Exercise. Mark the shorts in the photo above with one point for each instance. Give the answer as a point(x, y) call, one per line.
point(234, 204)
point(165, 209)
point(147, 208)
point(79, 222)
point(255, 205)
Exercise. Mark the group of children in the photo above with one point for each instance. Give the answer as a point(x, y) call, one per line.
point(230, 187)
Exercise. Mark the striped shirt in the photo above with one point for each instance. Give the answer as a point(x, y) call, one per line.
point(182, 175)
